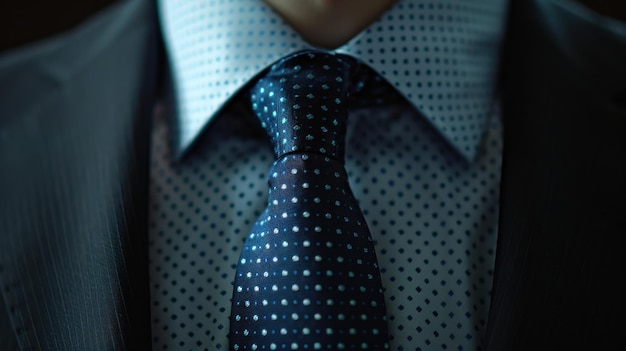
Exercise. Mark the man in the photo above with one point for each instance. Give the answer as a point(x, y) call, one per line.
point(74, 222)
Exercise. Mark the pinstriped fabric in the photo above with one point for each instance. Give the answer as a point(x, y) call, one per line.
point(73, 256)
point(9, 339)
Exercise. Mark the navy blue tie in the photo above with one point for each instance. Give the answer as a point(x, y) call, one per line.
point(308, 278)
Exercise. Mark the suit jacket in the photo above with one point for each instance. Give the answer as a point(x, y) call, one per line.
point(74, 177)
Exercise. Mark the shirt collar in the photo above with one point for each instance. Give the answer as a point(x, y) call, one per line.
point(443, 58)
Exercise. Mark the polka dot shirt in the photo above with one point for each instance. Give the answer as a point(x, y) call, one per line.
point(424, 167)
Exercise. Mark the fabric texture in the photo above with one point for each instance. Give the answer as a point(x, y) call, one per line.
point(560, 240)
point(74, 171)
point(442, 56)
point(308, 276)
point(432, 208)
point(74, 116)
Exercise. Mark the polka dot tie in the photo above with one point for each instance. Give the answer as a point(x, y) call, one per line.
point(308, 277)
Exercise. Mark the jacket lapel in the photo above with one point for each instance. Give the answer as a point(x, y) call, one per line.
point(74, 160)
point(559, 258)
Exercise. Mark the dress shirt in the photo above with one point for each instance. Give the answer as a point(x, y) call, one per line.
point(425, 167)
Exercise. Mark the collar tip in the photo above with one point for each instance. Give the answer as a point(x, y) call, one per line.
point(179, 149)
point(467, 153)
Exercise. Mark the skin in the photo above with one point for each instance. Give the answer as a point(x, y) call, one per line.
point(20, 24)
point(329, 23)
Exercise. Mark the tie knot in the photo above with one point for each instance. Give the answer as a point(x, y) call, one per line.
point(303, 102)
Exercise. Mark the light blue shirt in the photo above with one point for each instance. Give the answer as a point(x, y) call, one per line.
point(426, 171)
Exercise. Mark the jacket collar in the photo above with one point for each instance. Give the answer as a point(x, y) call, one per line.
point(563, 105)
point(442, 58)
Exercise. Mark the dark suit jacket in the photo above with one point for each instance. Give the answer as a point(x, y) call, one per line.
point(73, 190)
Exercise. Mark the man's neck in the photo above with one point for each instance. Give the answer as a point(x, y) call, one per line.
point(330, 23)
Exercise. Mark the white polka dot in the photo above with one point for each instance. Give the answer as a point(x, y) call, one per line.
point(403, 154)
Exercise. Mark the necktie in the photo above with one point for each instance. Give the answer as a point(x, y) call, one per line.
point(308, 277)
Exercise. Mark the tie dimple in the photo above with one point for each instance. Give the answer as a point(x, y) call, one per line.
point(308, 277)
point(303, 103)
